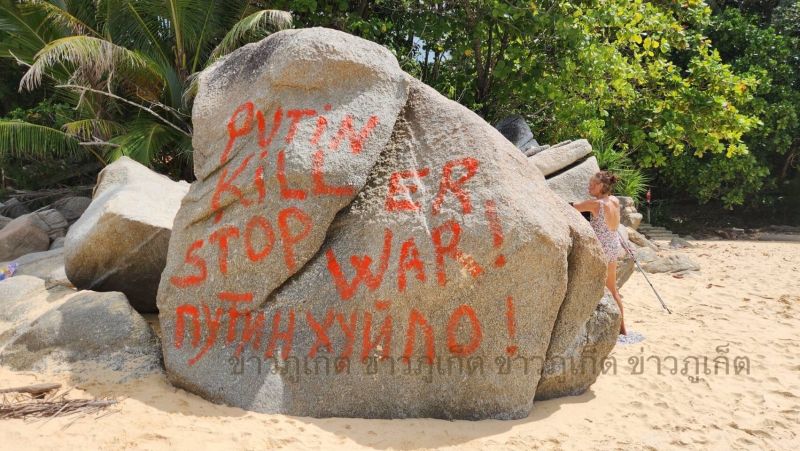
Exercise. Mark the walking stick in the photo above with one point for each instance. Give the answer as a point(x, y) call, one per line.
point(625, 245)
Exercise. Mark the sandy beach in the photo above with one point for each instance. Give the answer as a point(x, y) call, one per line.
point(745, 301)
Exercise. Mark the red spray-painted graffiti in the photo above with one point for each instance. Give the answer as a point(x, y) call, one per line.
point(375, 329)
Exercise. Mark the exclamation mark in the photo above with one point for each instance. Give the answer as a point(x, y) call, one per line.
point(511, 323)
point(497, 231)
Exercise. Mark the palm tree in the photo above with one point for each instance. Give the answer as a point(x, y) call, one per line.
point(128, 67)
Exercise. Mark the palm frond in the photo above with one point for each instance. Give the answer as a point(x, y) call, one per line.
point(88, 55)
point(23, 139)
point(255, 26)
point(144, 140)
point(61, 17)
point(23, 30)
point(87, 129)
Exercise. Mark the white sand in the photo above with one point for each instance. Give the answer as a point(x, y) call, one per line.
point(746, 295)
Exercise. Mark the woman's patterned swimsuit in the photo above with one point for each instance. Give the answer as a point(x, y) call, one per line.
point(609, 239)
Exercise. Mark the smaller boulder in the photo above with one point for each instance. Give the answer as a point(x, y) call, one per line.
point(533, 150)
point(21, 236)
point(52, 222)
point(646, 255)
point(13, 208)
point(573, 185)
point(120, 242)
point(4, 221)
point(575, 371)
point(72, 207)
point(671, 263)
point(555, 159)
point(516, 130)
point(640, 240)
point(89, 327)
point(679, 243)
point(629, 216)
point(46, 265)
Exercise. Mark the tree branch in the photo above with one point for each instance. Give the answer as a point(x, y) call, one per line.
point(122, 99)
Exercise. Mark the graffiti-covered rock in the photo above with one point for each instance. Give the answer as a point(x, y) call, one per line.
point(358, 245)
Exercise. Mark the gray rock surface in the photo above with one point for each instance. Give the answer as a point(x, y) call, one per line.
point(671, 263)
point(629, 216)
point(4, 221)
point(363, 295)
point(533, 150)
point(679, 243)
point(646, 255)
point(52, 222)
point(555, 159)
point(578, 368)
point(57, 243)
point(46, 265)
point(72, 207)
point(86, 327)
point(640, 240)
point(515, 129)
point(573, 185)
point(13, 208)
point(120, 242)
point(22, 236)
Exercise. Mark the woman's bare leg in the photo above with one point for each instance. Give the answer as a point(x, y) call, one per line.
point(611, 284)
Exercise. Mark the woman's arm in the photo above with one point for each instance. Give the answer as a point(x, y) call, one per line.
point(589, 205)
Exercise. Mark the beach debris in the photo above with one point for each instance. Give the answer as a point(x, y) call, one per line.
point(35, 390)
point(43, 401)
point(631, 338)
point(8, 270)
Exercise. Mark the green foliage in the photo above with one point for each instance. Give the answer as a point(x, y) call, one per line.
point(697, 100)
point(632, 181)
point(639, 73)
point(21, 139)
point(772, 54)
point(125, 67)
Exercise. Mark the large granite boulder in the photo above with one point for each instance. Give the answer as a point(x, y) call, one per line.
point(357, 245)
point(57, 329)
point(25, 234)
point(120, 242)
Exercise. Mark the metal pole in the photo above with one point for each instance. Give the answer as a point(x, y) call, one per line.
point(622, 240)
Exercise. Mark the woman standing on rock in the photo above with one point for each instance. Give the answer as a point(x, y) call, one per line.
point(605, 221)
